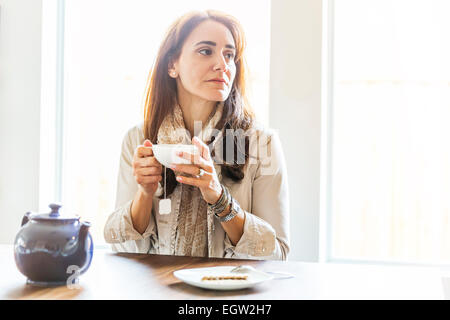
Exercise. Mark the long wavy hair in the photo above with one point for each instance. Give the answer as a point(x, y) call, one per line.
point(161, 91)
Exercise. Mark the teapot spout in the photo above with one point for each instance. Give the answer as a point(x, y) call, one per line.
point(25, 218)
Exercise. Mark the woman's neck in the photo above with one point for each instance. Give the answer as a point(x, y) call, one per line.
point(195, 109)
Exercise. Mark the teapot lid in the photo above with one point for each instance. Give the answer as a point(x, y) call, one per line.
point(54, 215)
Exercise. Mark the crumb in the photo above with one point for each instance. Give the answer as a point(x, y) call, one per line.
point(206, 278)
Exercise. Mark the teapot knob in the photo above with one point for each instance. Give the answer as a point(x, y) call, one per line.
point(55, 209)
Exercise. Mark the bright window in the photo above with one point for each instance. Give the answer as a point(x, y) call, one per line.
point(390, 154)
point(109, 48)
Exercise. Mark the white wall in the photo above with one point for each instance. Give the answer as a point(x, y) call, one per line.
point(20, 55)
point(295, 111)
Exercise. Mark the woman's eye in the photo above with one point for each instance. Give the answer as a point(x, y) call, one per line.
point(230, 55)
point(206, 50)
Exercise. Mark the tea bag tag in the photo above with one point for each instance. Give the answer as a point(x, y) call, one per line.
point(165, 206)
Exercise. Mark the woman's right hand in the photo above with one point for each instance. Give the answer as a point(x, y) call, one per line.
point(146, 169)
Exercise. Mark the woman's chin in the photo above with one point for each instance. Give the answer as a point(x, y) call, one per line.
point(221, 95)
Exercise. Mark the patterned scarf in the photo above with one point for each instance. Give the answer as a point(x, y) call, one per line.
point(192, 228)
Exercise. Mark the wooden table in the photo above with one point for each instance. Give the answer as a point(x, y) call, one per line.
point(142, 276)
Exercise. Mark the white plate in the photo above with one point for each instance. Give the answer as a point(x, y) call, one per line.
point(194, 278)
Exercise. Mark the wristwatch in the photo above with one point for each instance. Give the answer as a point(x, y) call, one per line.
point(235, 209)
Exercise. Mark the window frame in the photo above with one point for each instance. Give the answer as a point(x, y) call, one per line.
point(326, 214)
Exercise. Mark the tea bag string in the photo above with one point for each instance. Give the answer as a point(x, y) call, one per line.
point(164, 182)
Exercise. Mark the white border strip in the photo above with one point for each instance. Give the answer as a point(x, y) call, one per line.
point(59, 110)
point(51, 107)
point(47, 106)
point(325, 233)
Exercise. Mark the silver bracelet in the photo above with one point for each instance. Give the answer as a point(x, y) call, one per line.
point(234, 210)
point(223, 201)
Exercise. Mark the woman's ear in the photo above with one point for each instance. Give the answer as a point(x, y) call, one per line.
point(172, 69)
point(173, 73)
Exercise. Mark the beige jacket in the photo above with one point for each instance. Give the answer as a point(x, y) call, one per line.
point(262, 194)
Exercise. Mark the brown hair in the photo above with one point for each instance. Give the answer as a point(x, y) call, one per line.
point(161, 90)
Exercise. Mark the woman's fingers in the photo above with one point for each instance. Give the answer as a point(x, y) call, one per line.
point(147, 162)
point(191, 181)
point(144, 150)
point(147, 171)
point(147, 179)
point(202, 147)
point(192, 169)
point(193, 158)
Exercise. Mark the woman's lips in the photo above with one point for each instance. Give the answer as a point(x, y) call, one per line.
point(217, 81)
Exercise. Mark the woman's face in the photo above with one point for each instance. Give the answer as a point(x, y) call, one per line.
point(207, 54)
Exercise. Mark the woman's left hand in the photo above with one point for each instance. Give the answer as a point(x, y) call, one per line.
point(209, 183)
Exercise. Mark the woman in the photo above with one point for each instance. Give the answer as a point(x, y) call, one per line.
point(232, 199)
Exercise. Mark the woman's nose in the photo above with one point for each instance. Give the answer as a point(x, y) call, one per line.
point(221, 64)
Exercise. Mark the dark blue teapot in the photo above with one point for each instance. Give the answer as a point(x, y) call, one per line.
point(50, 247)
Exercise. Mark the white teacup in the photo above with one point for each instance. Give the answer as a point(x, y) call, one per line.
point(167, 153)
